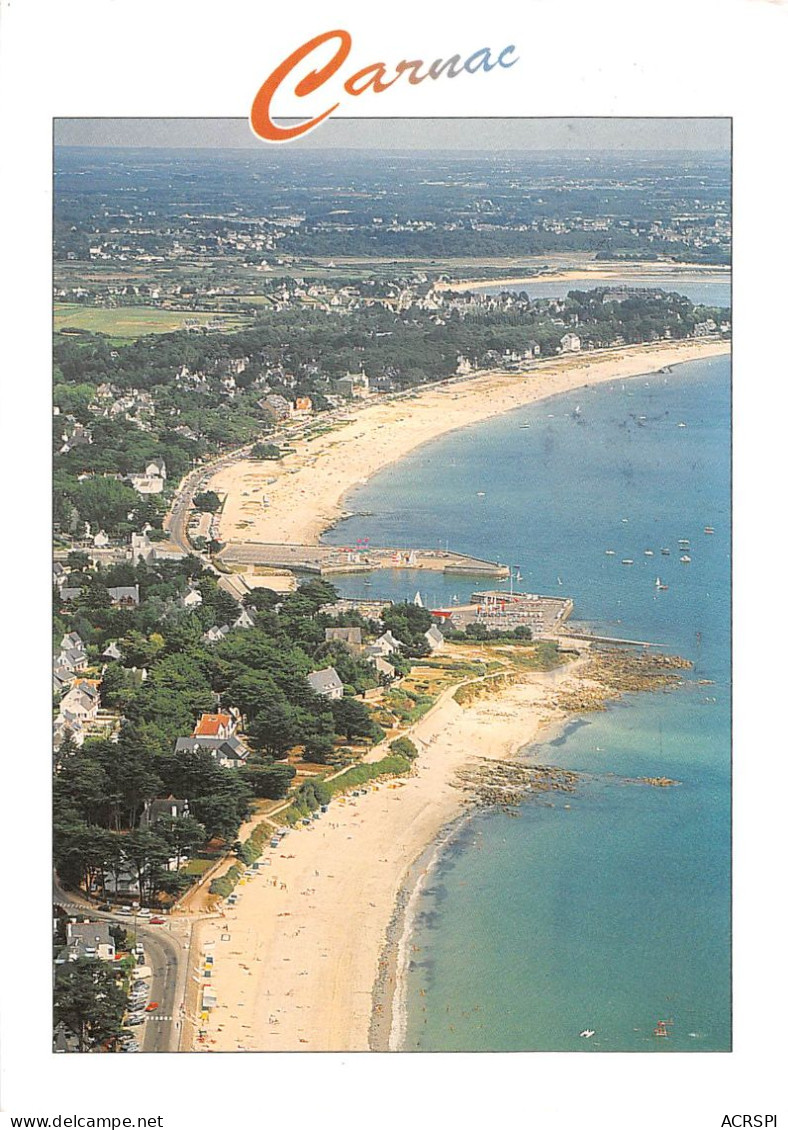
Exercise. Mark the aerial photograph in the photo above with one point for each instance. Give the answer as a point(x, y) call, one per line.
point(391, 561)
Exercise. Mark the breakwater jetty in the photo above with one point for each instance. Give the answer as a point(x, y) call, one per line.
point(328, 560)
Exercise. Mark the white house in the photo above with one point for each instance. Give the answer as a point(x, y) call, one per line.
point(326, 683)
point(81, 702)
point(570, 343)
point(434, 638)
point(89, 939)
point(387, 643)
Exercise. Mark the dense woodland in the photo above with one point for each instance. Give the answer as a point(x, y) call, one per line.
point(187, 413)
point(101, 787)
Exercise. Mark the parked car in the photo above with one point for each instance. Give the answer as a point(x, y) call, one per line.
point(157, 921)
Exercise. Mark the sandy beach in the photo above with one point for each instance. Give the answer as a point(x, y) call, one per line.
point(295, 499)
point(297, 959)
point(640, 274)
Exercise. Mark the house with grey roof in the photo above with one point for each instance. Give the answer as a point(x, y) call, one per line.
point(386, 670)
point(384, 645)
point(111, 651)
point(81, 702)
point(156, 467)
point(88, 939)
point(351, 637)
point(67, 726)
point(326, 683)
point(230, 753)
point(72, 658)
point(125, 596)
point(214, 634)
point(162, 808)
point(245, 619)
point(434, 638)
point(62, 678)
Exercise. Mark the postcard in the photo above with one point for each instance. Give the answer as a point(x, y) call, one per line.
point(392, 507)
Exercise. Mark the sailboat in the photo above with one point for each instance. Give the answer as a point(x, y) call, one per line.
point(660, 586)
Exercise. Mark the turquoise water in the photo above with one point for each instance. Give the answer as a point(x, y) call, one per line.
point(613, 913)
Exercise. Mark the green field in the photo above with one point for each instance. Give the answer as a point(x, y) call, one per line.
point(135, 321)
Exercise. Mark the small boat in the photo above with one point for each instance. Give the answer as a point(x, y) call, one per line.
point(480, 494)
point(649, 552)
point(681, 424)
point(708, 529)
point(685, 559)
point(683, 543)
point(665, 551)
point(661, 1028)
point(660, 586)
point(525, 425)
point(367, 582)
point(627, 561)
point(587, 1033)
point(610, 553)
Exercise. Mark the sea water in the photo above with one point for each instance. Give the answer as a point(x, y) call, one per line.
point(607, 909)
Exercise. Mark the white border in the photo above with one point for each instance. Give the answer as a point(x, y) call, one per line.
point(119, 57)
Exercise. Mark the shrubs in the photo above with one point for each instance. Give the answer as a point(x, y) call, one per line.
point(265, 451)
point(405, 748)
point(395, 765)
point(224, 884)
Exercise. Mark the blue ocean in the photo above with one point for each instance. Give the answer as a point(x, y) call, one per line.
point(611, 913)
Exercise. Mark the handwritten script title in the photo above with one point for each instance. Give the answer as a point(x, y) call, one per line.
point(376, 77)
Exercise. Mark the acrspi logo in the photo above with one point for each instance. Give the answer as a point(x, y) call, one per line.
point(376, 77)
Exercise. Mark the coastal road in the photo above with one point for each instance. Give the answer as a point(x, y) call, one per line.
point(166, 949)
point(163, 954)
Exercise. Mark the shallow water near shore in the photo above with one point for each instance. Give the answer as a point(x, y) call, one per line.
point(613, 913)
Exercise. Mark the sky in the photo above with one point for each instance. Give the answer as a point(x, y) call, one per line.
point(583, 134)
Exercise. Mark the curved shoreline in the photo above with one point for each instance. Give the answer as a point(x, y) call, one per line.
point(294, 500)
point(283, 972)
point(320, 995)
